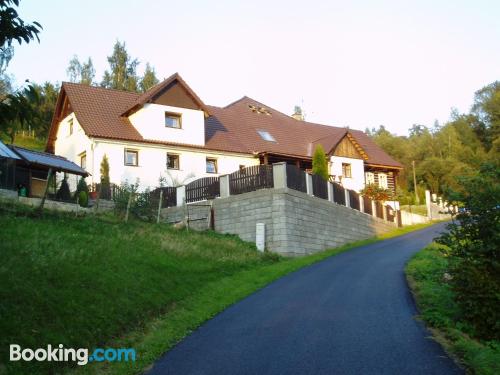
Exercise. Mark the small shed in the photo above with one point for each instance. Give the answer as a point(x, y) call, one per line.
point(20, 166)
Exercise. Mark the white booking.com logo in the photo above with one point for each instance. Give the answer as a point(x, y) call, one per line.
point(80, 356)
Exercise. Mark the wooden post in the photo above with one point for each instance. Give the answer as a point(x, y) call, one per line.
point(128, 206)
point(42, 203)
point(159, 207)
point(77, 203)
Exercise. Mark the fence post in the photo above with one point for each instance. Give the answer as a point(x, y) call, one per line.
point(384, 212)
point(224, 186)
point(347, 197)
point(330, 191)
point(159, 207)
point(279, 175)
point(428, 203)
point(361, 203)
point(181, 195)
point(309, 184)
point(374, 208)
point(130, 197)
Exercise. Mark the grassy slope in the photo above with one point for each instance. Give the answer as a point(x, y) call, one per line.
point(438, 309)
point(27, 142)
point(95, 281)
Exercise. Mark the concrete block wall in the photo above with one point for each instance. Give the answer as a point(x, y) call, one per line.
point(296, 223)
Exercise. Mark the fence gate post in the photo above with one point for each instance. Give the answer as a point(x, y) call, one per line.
point(374, 208)
point(309, 184)
point(279, 175)
point(181, 195)
point(347, 197)
point(330, 191)
point(428, 204)
point(361, 204)
point(224, 186)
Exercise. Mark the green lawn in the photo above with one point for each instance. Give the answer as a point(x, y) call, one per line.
point(435, 300)
point(419, 210)
point(27, 142)
point(95, 281)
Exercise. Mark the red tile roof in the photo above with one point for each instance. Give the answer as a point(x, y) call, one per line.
point(233, 128)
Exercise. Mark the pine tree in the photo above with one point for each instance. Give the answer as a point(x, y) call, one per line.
point(149, 78)
point(319, 162)
point(105, 183)
point(122, 74)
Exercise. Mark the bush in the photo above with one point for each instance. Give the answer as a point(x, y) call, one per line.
point(63, 194)
point(474, 251)
point(377, 193)
point(83, 199)
point(320, 163)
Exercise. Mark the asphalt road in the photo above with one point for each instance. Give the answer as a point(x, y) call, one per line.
point(349, 314)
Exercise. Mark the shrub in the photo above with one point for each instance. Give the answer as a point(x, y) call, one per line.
point(63, 194)
point(377, 193)
point(82, 186)
point(105, 188)
point(319, 162)
point(474, 252)
point(83, 199)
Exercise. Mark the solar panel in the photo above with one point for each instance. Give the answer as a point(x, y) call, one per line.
point(6, 152)
point(58, 163)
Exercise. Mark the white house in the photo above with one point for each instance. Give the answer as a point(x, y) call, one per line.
point(169, 132)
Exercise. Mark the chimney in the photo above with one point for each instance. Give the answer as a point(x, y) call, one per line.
point(297, 113)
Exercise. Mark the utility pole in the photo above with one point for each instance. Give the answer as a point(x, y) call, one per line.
point(417, 200)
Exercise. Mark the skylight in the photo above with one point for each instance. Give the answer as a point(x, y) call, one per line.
point(266, 136)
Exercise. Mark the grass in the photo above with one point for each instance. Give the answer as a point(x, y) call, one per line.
point(438, 309)
point(27, 142)
point(94, 281)
point(419, 210)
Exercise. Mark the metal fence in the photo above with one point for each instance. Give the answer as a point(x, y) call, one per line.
point(367, 204)
point(203, 189)
point(169, 197)
point(338, 194)
point(250, 179)
point(354, 199)
point(379, 209)
point(295, 178)
point(319, 186)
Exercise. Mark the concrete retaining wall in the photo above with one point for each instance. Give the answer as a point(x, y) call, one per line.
point(296, 223)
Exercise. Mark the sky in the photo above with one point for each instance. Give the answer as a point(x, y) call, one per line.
point(347, 63)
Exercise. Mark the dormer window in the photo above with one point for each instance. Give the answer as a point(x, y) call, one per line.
point(266, 136)
point(172, 120)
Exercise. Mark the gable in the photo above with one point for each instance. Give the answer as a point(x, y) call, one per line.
point(349, 148)
point(175, 95)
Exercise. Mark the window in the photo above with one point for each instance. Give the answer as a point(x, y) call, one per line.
point(382, 180)
point(70, 126)
point(131, 157)
point(346, 170)
point(211, 165)
point(369, 178)
point(172, 120)
point(172, 161)
point(266, 136)
point(83, 160)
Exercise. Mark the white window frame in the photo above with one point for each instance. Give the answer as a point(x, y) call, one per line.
point(369, 178)
point(132, 151)
point(382, 180)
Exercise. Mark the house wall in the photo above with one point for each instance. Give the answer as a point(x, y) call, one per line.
point(150, 122)
point(357, 182)
point(152, 163)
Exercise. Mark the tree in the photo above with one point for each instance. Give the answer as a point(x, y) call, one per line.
point(149, 78)
point(105, 191)
point(81, 73)
point(487, 110)
point(16, 111)
point(319, 162)
point(122, 74)
point(474, 254)
point(13, 28)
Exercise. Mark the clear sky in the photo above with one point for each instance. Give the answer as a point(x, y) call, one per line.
point(347, 63)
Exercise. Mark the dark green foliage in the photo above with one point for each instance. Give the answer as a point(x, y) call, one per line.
point(105, 188)
point(149, 78)
point(427, 274)
point(474, 250)
point(82, 186)
point(83, 198)
point(319, 162)
point(63, 194)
